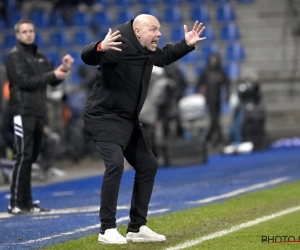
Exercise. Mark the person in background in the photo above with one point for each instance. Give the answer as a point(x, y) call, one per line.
point(29, 72)
point(210, 83)
point(156, 96)
point(126, 58)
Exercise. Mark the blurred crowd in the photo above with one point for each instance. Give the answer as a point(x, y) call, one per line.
point(174, 108)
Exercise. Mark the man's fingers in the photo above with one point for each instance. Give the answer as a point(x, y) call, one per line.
point(199, 27)
point(109, 32)
point(195, 25)
point(115, 48)
point(115, 37)
point(185, 29)
point(201, 31)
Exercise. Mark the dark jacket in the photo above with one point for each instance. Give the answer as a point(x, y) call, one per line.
point(28, 72)
point(211, 81)
point(118, 95)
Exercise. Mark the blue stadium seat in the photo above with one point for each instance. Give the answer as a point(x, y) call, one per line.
point(198, 69)
point(235, 52)
point(124, 16)
point(151, 10)
point(2, 23)
point(191, 57)
point(230, 32)
point(81, 19)
point(39, 40)
point(172, 1)
point(173, 15)
point(162, 41)
point(177, 34)
point(148, 2)
point(101, 34)
point(3, 58)
point(14, 17)
point(53, 57)
point(197, 1)
point(40, 19)
point(9, 41)
point(225, 13)
point(233, 70)
point(220, 1)
point(245, 1)
point(124, 3)
point(208, 49)
point(82, 37)
point(100, 19)
point(57, 20)
point(208, 33)
point(59, 39)
point(200, 13)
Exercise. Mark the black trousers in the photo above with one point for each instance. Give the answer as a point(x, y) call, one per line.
point(28, 132)
point(145, 166)
point(214, 129)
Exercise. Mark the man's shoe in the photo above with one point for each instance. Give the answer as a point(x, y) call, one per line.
point(17, 210)
point(145, 234)
point(111, 236)
point(35, 209)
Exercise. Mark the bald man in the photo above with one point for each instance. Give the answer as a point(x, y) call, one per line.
point(126, 58)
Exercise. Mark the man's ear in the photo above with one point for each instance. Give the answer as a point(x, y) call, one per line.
point(137, 33)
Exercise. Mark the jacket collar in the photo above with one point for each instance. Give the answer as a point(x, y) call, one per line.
point(30, 48)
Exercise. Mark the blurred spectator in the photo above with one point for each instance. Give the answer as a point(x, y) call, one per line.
point(74, 125)
point(67, 7)
point(173, 72)
point(157, 96)
point(88, 76)
point(247, 131)
point(27, 6)
point(210, 83)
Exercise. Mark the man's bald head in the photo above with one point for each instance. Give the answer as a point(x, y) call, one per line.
point(142, 20)
point(146, 28)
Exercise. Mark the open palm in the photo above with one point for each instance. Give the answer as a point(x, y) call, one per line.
point(192, 37)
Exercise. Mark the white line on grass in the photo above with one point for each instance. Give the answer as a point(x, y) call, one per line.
point(233, 229)
point(240, 191)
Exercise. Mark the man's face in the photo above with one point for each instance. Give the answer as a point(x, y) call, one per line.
point(149, 33)
point(26, 33)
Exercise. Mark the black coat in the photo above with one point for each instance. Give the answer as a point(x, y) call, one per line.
point(28, 72)
point(120, 89)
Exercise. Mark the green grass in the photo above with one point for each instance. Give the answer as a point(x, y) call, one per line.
point(191, 224)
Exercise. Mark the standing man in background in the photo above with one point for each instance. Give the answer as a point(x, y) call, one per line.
point(210, 83)
point(29, 72)
point(126, 58)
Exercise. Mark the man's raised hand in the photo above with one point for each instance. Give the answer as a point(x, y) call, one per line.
point(192, 37)
point(109, 41)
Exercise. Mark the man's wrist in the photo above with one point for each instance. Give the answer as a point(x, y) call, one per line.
point(99, 48)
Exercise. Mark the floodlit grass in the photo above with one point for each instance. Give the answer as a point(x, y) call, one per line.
point(182, 226)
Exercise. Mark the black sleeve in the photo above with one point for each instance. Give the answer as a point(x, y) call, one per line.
point(17, 72)
point(171, 53)
point(91, 56)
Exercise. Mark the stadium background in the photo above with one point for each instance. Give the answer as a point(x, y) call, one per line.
point(256, 38)
point(264, 40)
